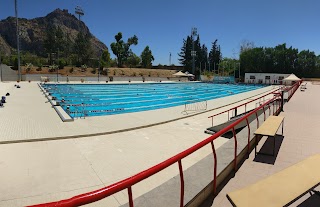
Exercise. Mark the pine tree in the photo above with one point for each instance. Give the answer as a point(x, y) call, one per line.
point(185, 54)
point(82, 48)
point(49, 44)
point(146, 58)
point(215, 56)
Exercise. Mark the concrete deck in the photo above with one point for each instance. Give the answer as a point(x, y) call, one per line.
point(36, 172)
point(29, 116)
point(301, 140)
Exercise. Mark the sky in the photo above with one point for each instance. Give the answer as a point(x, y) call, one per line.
point(163, 24)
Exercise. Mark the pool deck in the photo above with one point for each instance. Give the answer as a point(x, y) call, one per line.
point(301, 140)
point(28, 116)
point(42, 170)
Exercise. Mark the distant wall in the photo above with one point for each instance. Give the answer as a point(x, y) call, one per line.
point(7, 74)
point(265, 78)
point(53, 78)
point(206, 78)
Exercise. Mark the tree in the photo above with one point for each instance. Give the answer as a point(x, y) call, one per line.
point(82, 48)
point(228, 66)
point(122, 49)
point(246, 45)
point(60, 39)
point(280, 59)
point(146, 58)
point(105, 60)
point(55, 41)
point(203, 57)
point(68, 44)
point(185, 54)
point(133, 60)
point(49, 44)
point(215, 55)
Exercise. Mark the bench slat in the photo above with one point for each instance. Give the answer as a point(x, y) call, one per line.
point(270, 126)
point(281, 188)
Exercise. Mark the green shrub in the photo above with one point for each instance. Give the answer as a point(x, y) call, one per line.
point(53, 68)
point(62, 63)
point(104, 72)
point(28, 67)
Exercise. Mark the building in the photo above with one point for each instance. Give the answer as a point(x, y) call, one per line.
point(265, 78)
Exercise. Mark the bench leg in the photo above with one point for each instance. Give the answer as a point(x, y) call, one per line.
point(274, 145)
point(255, 148)
point(316, 192)
point(258, 137)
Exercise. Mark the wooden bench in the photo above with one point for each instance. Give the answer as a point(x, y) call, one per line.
point(282, 188)
point(269, 128)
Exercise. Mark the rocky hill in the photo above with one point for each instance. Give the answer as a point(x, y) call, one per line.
point(33, 31)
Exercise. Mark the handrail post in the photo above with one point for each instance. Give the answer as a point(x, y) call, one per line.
point(214, 169)
point(257, 120)
point(235, 149)
point(264, 113)
point(282, 100)
point(182, 183)
point(273, 107)
point(130, 197)
point(248, 147)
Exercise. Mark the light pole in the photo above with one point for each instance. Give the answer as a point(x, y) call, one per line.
point(80, 12)
point(239, 71)
point(193, 53)
point(99, 66)
point(18, 41)
point(58, 67)
point(234, 71)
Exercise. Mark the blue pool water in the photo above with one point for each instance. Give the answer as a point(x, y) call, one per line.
point(107, 99)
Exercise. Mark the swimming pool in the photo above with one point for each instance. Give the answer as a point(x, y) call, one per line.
point(106, 99)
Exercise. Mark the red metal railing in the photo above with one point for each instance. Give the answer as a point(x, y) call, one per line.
point(244, 104)
point(129, 182)
point(292, 89)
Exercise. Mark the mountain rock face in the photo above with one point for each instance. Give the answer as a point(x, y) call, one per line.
point(33, 32)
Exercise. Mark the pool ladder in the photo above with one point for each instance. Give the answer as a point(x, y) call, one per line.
point(195, 105)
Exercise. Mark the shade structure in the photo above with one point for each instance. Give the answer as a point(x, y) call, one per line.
point(292, 77)
point(180, 74)
point(189, 74)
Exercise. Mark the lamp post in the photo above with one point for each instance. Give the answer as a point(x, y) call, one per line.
point(99, 66)
point(58, 67)
point(18, 40)
point(239, 71)
point(193, 53)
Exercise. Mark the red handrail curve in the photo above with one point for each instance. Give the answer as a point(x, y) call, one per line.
point(293, 89)
point(244, 104)
point(127, 183)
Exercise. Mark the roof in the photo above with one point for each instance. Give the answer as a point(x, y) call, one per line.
point(292, 77)
point(181, 74)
